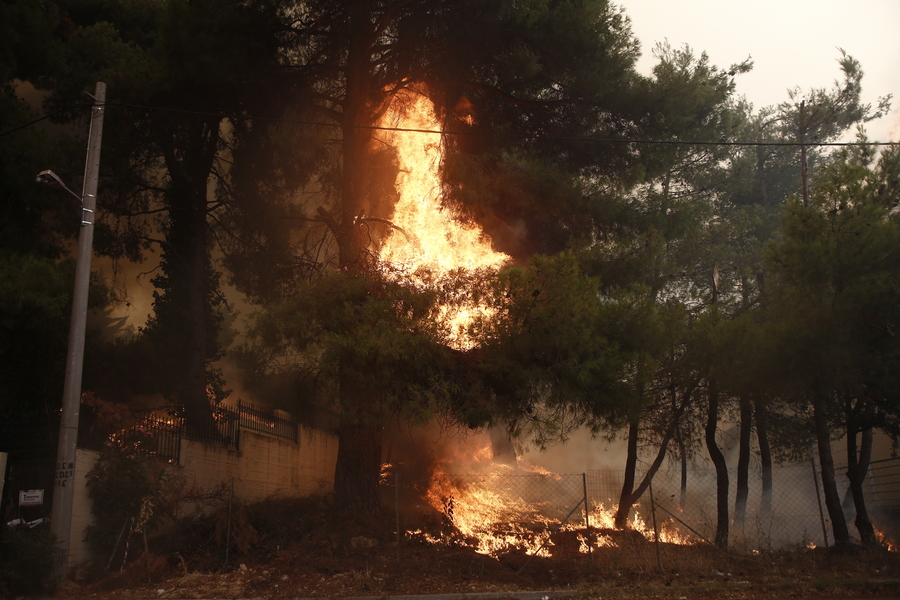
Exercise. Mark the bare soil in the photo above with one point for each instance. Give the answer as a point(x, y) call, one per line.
point(291, 549)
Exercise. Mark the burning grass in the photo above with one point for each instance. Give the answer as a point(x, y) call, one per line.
point(302, 548)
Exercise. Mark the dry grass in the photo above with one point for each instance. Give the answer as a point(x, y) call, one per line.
point(303, 549)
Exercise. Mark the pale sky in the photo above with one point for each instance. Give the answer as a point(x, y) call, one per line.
point(793, 43)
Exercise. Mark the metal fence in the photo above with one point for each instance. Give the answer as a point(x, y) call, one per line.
point(796, 518)
point(270, 422)
point(155, 436)
point(882, 484)
point(511, 505)
point(223, 429)
point(160, 435)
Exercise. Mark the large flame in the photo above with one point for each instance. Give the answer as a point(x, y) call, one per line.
point(495, 508)
point(428, 244)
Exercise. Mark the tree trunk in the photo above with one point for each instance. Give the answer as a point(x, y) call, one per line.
point(765, 459)
point(358, 469)
point(198, 412)
point(682, 449)
point(630, 494)
point(829, 485)
point(189, 151)
point(743, 466)
point(625, 502)
point(718, 460)
point(857, 467)
point(804, 162)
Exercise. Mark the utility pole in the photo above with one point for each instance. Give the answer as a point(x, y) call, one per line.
point(64, 478)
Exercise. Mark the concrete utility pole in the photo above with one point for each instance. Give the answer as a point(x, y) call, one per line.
point(63, 492)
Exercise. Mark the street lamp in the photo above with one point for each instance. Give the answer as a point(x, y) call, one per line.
point(51, 178)
point(64, 478)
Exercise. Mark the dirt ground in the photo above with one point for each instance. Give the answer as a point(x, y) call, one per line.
point(290, 551)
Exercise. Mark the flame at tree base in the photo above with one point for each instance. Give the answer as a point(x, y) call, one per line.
point(497, 509)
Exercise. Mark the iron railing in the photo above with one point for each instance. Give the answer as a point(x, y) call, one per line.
point(269, 422)
point(160, 435)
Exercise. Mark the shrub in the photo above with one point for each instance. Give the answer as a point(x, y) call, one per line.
point(28, 558)
point(130, 492)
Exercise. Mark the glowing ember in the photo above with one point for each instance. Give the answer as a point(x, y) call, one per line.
point(888, 544)
point(430, 245)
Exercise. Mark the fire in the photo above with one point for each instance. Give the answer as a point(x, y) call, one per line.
point(428, 245)
point(886, 542)
point(495, 508)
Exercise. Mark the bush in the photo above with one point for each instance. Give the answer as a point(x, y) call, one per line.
point(28, 558)
point(131, 491)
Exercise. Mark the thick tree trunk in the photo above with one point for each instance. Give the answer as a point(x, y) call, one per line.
point(358, 469)
point(198, 413)
point(743, 467)
point(189, 151)
point(829, 485)
point(765, 459)
point(718, 460)
point(857, 467)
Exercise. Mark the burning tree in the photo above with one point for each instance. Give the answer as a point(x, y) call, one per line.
point(562, 69)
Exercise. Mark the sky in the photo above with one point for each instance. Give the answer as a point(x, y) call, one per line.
point(793, 43)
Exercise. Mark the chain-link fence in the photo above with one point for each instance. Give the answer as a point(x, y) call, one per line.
point(506, 507)
point(792, 515)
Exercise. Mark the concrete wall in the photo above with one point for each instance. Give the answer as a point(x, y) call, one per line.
point(265, 465)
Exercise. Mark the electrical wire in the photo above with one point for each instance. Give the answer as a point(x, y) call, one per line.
point(534, 136)
point(44, 118)
point(530, 136)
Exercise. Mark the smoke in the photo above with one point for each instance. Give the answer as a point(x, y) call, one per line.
point(581, 452)
point(132, 290)
point(419, 448)
point(893, 128)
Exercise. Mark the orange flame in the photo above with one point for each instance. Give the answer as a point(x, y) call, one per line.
point(474, 495)
point(429, 245)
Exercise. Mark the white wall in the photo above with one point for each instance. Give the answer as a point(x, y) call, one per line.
point(264, 466)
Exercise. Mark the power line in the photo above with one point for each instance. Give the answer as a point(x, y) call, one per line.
point(535, 136)
point(530, 136)
point(44, 118)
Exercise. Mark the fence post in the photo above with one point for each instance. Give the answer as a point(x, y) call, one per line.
point(397, 507)
point(587, 519)
point(655, 527)
point(228, 528)
point(812, 462)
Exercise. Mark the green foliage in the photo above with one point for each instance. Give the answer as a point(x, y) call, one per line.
point(128, 489)
point(548, 348)
point(28, 559)
point(380, 336)
point(834, 284)
point(835, 272)
point(35, 305)
point(823, 115)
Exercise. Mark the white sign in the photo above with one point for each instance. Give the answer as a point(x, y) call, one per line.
point(31, 498)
